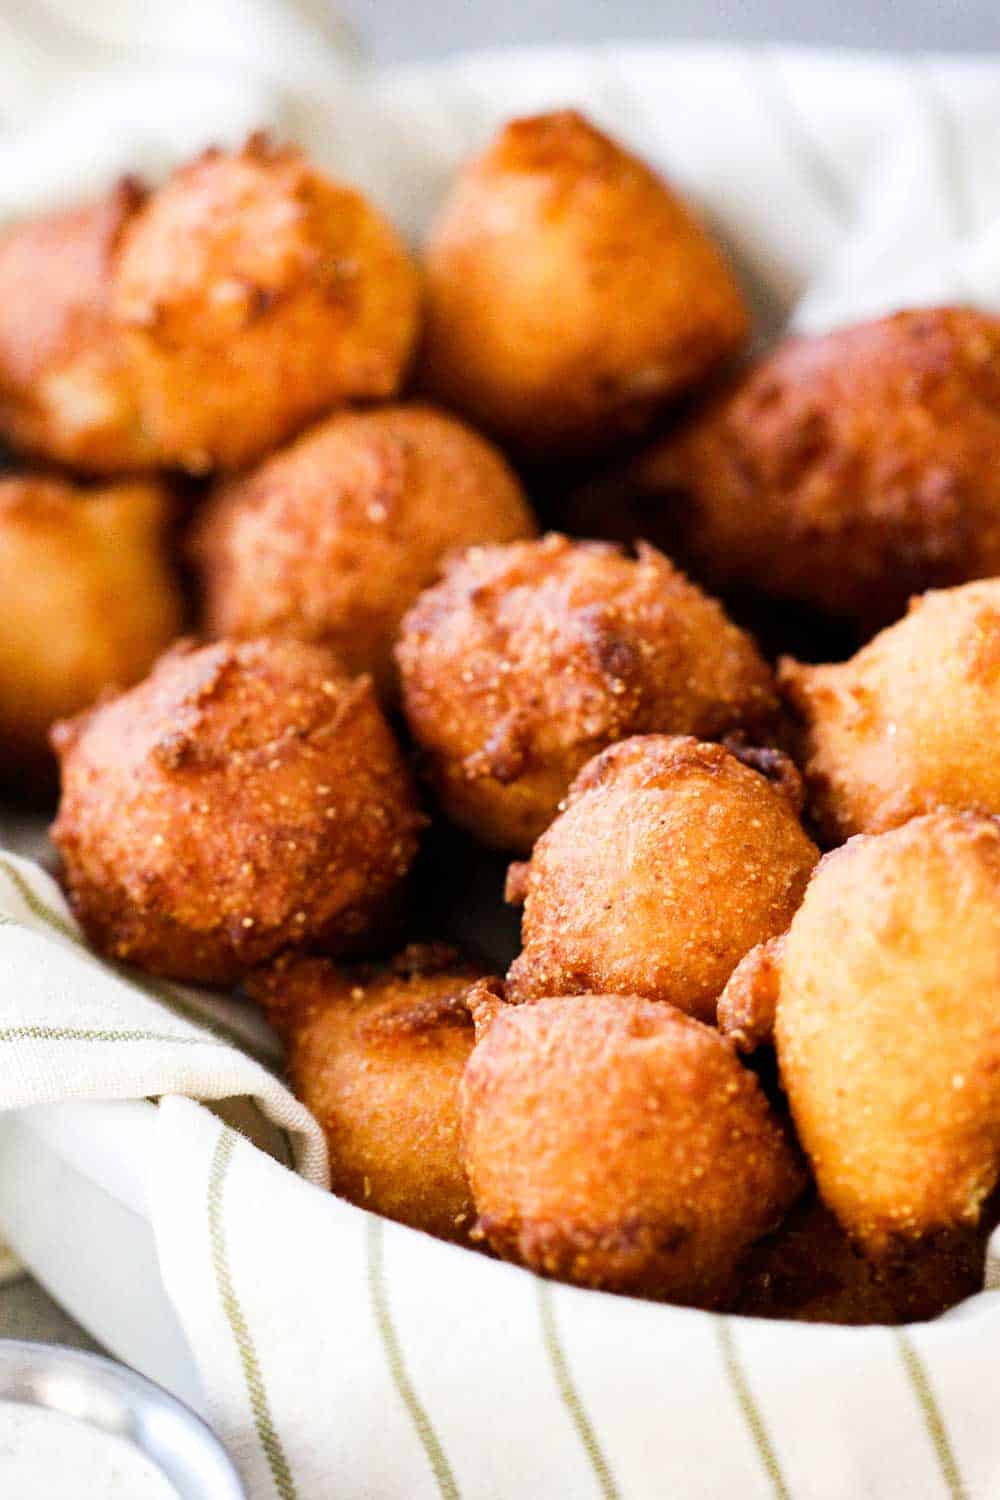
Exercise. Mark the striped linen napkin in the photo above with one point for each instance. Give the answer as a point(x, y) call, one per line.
point(344, 1356)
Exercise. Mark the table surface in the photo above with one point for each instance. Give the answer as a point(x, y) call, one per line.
point(400, 31)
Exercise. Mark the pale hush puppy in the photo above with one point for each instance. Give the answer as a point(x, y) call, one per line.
point(570, 292)
point(888, 1029)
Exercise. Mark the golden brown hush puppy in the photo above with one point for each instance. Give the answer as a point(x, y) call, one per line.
point(912, 722)
point(333, 538)
point(809, 1271)
point(888, 1028)
point(527, 659)
point(89, 601)
point(66, 388)
point(845, 471)
point(619, 1144)
point(749, 1002)
point(376, 1052)
point(570, 291)
point(256, 293)
point(670, 861)
point(242, 800)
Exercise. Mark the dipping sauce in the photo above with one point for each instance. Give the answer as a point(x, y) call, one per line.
point(45, 1455)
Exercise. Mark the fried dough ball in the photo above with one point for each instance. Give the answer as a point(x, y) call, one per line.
point(670, 861)
point(809, 1271)
point(570, 292)
point(526, 660)
point(376, 1053)
point(845, 472)
point(66, 390)
point(888, 1030)
point(618, 1144)
point(911, 723)
point(243, 799)
point(89, 601)
point(333, 538)
point(255, 294)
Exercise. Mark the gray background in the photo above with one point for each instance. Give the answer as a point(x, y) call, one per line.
point(410, 30)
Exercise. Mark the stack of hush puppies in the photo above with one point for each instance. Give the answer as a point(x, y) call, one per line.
point(722, 1070)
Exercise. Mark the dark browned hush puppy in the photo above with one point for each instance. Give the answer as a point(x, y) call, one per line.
point(845, 472)
point(671, 860)
point(570, 292)
point(619, 1144)
point(809, 1271)
point(333, 538)
point(376, 1052)
point(526, 660)
point(243, 799)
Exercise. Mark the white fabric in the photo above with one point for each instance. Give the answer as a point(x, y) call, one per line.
point(344, 1357)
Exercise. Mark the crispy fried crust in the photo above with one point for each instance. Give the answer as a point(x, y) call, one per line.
point(333, 538)
point(619, 1144)
point(670, 861)
point(89, 600)
point(66, 389)
point(570, 291)
point(749, 1001)
point(255, 294)
point(526, 660)
point(243, 799)
point(888, 1031)
point(809, 1271)
point(846, 471)
point(376, 1052)
point(911, 723)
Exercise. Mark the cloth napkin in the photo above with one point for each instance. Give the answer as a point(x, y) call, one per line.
point(344, 1356)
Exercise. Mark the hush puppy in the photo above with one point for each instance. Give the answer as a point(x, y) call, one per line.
point(844, 472)
point(67, 391)
point(888, 1028)
point(671, 860)
point(333, 538)
point(570, 292)
point(243, 799)
point(619, 1144)
point(809, 1271)
point(912, 722)
point(526, 660)
point(89, 601)
point(377, 1052)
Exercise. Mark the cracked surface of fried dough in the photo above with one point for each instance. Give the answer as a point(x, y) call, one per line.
point(376, 1053)
point(243, 799)
point(845, 471)
point(909, 724)
point(255, 294)
point(67, 391)
point(526, 660)
point(888, 1029)
point(570, 292)
point(89, 601)
point(333, 538)
point(619, 1144)
point(671, 860)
